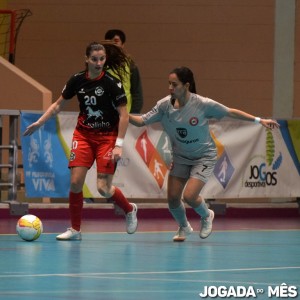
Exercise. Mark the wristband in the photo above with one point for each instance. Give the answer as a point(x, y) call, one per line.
point(257, 120)
point(119, 142)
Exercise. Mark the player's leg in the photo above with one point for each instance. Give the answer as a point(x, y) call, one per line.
point(115, 195)
point(177, 208)
point(81, 159)
point(192, 197)
point(105, 172)
point(75, 204)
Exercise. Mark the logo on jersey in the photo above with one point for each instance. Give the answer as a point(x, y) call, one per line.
point(119, 84)
point(91, 113)
point(120, 96)
point(182, 132)
point(99, 91)
point(108, 154)
point(72, 156)
point(64, 88)
point(194, 121)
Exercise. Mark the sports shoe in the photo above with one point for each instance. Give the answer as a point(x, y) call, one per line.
point(131, 220)
point(182, 233)
point(206, 225)
point(70, 234)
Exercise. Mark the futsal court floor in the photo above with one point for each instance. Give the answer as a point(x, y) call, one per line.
point(245, 258)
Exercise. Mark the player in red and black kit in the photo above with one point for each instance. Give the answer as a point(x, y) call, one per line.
point(99, 133)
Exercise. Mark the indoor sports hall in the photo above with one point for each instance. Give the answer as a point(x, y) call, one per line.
point(244, 54)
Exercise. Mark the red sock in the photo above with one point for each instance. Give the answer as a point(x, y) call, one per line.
point(75, 207)
point(121, 201)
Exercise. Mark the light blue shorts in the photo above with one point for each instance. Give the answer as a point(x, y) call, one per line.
point(202, 170)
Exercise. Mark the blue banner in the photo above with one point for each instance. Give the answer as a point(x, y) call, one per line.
point(45, 163)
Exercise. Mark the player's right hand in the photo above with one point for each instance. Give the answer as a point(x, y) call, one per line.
point(32, 128)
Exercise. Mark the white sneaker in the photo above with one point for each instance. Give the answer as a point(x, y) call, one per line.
point(131, 220)
point(182, 233)
point(70, 234)
point(206, 225)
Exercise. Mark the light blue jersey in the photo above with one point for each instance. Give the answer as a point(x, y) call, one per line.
point(187, 127)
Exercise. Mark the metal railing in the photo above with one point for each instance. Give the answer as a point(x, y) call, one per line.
point(12, 147)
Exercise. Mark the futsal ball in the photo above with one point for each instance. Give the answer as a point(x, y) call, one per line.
point(29, 227)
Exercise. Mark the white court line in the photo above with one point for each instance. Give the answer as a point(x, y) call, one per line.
point(7, 275)
point(231, 282)
point(159, 279)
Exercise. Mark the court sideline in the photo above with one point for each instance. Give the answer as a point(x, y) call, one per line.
point(243, 255)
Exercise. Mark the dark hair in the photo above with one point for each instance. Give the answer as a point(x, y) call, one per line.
point(185, 75)
point(110, 34)
point(116, 59)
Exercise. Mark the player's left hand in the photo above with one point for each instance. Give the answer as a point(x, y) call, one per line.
point(116, 153)
point(269, 123)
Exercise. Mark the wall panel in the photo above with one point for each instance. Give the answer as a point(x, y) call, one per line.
point(227, 43)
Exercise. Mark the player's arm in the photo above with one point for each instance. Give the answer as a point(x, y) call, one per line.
point(136, 120)
point(123, 125)
point(53, 110)
point(241, 115)
point(123, 122)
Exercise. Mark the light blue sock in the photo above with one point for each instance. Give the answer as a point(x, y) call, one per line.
point(202, 210)
point(179, 215)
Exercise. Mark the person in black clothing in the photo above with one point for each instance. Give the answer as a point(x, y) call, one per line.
point(99, 134)
point(118, 37)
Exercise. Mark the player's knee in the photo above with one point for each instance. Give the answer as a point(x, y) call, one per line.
point(105, 191)
point(76, 187)
point(174, 201)
point(189, 199)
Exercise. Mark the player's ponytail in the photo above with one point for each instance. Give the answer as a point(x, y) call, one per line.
point(116, 59)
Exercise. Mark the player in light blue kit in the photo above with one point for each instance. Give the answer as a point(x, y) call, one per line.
point(184, 116)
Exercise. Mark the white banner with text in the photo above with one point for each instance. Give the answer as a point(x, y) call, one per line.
point(252, 161)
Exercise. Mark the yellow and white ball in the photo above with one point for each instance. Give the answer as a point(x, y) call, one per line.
point(29, 227)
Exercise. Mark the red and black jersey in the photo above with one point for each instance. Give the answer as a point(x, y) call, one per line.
point(98, 99)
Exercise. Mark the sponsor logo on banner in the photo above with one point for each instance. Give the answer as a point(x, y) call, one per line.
point(262, 169)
